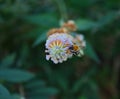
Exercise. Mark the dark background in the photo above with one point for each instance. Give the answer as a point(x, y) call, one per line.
point(24, 71)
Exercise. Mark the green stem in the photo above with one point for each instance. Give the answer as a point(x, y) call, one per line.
point(62, 8)
point(22, 93)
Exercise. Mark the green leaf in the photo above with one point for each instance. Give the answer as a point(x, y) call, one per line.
point(82, 97)
point(78, 85)
point(116, 48)
point(40, 39)
point(16, 96)
point(24, 53)
point(38, 97)
point(84, 24)
point(60, 79)
point(47, 20)
point(8, 61)
point(63, 84)
point(44, 91)
point(33, 34)
point(84, 80)
point(91, 91)
point(15, 75)
point(93, 86)
point(106, 20)
point(35, 84)
point(89, 51)
point(4, 93)
point(1, 20)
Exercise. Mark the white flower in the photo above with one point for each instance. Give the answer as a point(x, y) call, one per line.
point(80, 42)
point(57, 46)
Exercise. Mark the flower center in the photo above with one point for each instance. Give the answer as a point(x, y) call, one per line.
point(56, 50)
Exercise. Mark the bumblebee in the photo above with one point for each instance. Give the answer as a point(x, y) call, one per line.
point(74, 49)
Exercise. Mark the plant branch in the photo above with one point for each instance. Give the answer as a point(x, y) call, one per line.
point(22, 93)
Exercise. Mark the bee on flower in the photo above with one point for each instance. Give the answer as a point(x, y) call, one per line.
point(79, 45)
point(74, 49)
point(61, 46)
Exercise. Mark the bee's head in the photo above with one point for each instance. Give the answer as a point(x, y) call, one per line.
point(74, 49)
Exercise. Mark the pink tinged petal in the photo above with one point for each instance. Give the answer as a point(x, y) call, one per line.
point(55, 61)
point(81, 37)
point(46, 51)
point(47, 57)
point(83, 43)
point(60, 61)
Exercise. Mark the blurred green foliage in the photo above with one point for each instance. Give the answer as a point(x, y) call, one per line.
point(24, 71)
